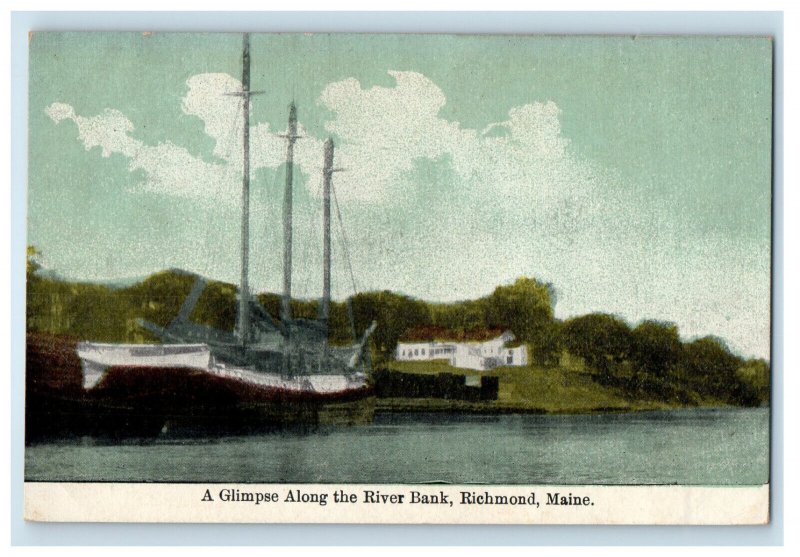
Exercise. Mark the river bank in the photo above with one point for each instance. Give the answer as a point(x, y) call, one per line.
point(438, 405)
point(58, 406)
point(536, 390)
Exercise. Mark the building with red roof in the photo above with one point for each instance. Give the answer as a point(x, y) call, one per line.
point(478, 349)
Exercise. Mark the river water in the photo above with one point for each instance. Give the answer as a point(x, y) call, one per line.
point(694, 446)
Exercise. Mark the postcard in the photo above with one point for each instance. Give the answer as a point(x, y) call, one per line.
point(349, 278)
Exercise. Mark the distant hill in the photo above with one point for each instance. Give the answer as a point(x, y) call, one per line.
point(116, 283)
point(109, 311)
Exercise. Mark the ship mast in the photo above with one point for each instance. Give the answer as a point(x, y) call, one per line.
point(286, 301)
point(324, 309)
point(327, 173)
point(291, 136)
point(244, 292)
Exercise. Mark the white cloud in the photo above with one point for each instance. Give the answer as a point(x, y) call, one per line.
point(384, 130)
point(209, 99)
point(168, 168)
point(59, 111)
point(382, 133)
point(538, 208)
point(172, 170)
point(109, 130)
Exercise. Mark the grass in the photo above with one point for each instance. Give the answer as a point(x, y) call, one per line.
point(527, 389)
point(432, 367)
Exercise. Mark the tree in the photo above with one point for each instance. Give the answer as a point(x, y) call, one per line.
point(34, 302)
point(460, 316)
point(710, 369)
point(394, 313)
point(548, 343)
point(32, 265)
point(217, 306)
point(756, 375)
point(159, 297)
point(602, 340)
point(655, 348)
point(96, 313)
point(526, 308)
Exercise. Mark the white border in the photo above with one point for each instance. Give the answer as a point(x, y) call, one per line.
point(549, 23)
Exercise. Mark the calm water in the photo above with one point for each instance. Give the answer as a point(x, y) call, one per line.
point(710, 447)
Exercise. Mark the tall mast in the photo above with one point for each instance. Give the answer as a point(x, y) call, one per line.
point(327, 172)
point(244, 292)
point(291, 137)
point(286, 302)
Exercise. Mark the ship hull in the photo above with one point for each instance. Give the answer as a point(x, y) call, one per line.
point(57, 418)
point(148, 401)
point(97, 358)
point(196, 402)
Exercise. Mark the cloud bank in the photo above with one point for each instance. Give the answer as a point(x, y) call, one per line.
point(508, 199)
point(382, 132)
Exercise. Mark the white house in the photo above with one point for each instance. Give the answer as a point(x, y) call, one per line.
point(481, 350)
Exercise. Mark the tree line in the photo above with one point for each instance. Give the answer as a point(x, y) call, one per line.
point(651, 358)
point(647, 359)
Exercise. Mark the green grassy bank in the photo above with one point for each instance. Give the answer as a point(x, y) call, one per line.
point(534, 389)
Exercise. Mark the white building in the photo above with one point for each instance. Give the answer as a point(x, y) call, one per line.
point(480, 350)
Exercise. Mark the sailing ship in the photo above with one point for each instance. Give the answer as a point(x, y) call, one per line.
point(265, 372)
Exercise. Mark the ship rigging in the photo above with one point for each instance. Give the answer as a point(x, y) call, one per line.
point(290, 354)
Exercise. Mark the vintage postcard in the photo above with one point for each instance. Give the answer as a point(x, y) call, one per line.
point(398, 278)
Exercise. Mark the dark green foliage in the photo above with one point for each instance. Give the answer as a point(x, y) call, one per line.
point(339, 326)
point(305, 309)
point(271, 303)
point(522, 307)
point(394, 313)
point(100, 313)
point(710, 369)
point(216, 307)
point(602, 340)
point(526, 308)
point(709, 366)
point(35, 304)
point(88, 322)
point(649, 361)
point(547, 344)
point(655, 348)
point(460, 316)
point(159, 297)
point(755, 374)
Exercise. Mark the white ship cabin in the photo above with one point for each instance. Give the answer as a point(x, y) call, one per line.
point(481, 350)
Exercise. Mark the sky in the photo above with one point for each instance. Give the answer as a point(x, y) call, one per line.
point(632, 173)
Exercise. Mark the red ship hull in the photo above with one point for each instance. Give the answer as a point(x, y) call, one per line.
point(149, 401)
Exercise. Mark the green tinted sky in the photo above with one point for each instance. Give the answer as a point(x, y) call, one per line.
point(633, 173)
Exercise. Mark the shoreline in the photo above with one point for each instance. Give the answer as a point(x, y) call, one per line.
point(460, 407)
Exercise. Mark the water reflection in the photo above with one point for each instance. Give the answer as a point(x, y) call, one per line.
point(713, 447)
